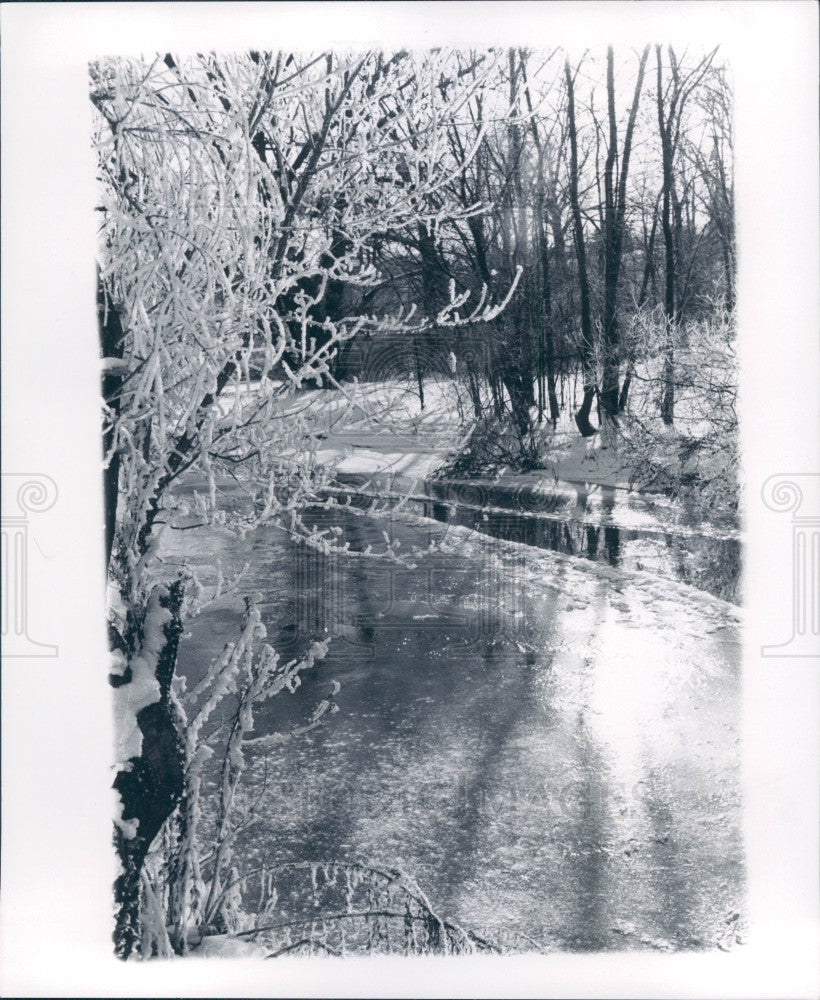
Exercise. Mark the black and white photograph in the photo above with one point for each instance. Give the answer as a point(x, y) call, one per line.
point(417, 387)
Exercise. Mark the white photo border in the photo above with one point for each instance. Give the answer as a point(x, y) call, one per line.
point(57, 862)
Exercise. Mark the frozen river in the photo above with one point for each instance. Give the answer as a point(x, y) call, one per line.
point(548, 746)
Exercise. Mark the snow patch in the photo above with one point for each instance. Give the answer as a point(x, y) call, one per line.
point(143, 688)
point(225, 946)
point(128, 827)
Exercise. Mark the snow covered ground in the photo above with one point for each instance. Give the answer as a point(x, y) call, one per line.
point(377, 440)
point(377, 437)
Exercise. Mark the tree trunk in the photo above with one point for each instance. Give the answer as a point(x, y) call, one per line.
point(609, 385)
point(111, 336)
point(614, 216)
point(582, 416)
point(546, 346)
point(587, 344)
point(665, 129)
point(151, 784)
point(419, 375)
point(433, 298)
point(668, 379)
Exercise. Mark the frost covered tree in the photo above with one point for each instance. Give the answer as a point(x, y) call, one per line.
point(238, 200)
point(588, 191)
point(671, 99)
point(501, 158)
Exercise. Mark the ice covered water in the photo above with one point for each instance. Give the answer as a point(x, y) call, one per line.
point(551, 751)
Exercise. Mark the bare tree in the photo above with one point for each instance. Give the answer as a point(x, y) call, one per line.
point(671, 103)
point(546, 331)
point(615, 187)
point(587, 334)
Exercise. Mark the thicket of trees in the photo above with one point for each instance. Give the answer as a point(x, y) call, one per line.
point(535, 216)
point(609, 183)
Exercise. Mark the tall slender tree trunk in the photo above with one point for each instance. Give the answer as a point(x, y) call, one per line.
point(546, 346)
point(587, 342)
point(665, 129)
point(419, 374)
point(610, 374)
point(614, 223)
